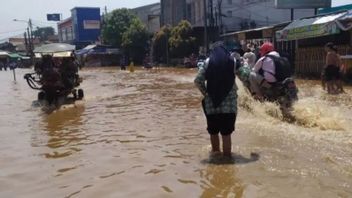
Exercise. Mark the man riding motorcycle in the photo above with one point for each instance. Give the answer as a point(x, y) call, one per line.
point(271, 78)
point(263, 72)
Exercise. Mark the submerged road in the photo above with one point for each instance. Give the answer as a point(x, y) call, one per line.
point(144, 135)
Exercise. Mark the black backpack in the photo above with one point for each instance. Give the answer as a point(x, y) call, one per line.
point(283, 68)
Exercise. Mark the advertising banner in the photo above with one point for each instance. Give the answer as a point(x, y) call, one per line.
point(53, 17)
point(91, 24)
point(310, 31)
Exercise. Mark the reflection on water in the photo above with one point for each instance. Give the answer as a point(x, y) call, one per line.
point(144, 135)
point(220, 181)
point(64, 129)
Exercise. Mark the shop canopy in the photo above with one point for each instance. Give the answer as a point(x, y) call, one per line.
point(54, 48)
point(345, 22)
point(55, 55)
point(311, 27)
point(3, 53)
point(97, 50)
point(15, 56)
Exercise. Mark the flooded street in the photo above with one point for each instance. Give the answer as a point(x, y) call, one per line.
point(144, 135)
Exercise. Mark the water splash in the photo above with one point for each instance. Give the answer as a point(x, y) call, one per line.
point(309, 112)
point(312, 113)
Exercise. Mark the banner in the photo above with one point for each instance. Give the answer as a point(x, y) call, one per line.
point(53, 17)
point(310, 31)
point(91, 24)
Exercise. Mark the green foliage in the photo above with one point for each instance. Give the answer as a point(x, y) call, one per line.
point(116, 24)
point(181, 41)
point(160, 44)
point(135, 40)
point(43, 33)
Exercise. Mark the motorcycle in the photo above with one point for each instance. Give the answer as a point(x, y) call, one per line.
point(284, 93)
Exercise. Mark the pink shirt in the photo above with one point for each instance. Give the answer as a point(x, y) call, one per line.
point(268, 66)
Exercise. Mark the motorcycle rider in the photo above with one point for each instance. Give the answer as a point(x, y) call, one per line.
point(263, 72)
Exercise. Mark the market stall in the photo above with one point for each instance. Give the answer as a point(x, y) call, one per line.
point(310, 36)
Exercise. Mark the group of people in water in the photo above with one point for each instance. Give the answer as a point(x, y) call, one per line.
point(216, 81)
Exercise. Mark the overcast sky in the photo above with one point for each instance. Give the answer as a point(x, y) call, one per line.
point(37, 10)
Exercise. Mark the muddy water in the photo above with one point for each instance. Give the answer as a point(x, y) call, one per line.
point(143, 135)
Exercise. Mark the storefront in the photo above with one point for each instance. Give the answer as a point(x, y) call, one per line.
point(82, 28)
point(310, 36)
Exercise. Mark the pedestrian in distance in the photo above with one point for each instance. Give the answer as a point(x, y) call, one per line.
point(216, 81)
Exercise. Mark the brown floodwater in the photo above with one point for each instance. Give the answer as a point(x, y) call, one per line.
point(143, 134)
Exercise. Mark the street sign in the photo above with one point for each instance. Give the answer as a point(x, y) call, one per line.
point(302, 4)
point(53, 17)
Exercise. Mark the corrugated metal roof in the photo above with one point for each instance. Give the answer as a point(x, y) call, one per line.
point(314, 21)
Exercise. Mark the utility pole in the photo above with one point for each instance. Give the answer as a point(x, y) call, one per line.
point(219, 4)
point(29, 43)
point(205, 28)
point(212, 21)
point(26, 42)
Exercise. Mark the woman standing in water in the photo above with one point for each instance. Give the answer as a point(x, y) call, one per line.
point(332, 75)
point(216, 81)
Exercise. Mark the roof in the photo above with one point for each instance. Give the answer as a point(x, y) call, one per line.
point(315, 20)
point(335, 9)
point(85, 8)
point(256, 29)
point(65, 21)
point(244, 31)
point(146, 6)
point(309, 27)
point(348, 15)
point(3, 53)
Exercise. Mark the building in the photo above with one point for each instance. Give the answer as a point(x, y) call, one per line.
point(82, 28)
point(149, 15)
point(173, 11)
point(246, 14)
point(195, 12)
point(20, 43)
point(229, 15)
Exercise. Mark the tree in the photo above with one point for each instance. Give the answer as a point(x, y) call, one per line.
point(161, 44)
point(135, 40)
point(43, 33)
point(116, 24)
point(182, 43)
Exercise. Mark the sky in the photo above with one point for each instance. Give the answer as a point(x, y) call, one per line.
point(37, 10)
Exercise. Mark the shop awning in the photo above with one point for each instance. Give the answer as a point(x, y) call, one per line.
point(310, 27)
point(15, 56)
point(3, 53)
point(345, 22)
point(98, 49)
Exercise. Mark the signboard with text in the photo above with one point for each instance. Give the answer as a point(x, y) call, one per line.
point(311, 31)
point(91, 24)
point(302, 4)
point(53, 17)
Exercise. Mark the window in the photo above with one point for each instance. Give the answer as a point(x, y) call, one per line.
point(229, 13)
point(229, 2)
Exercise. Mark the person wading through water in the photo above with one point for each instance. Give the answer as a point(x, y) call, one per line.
point(216, 81)
point(331, 74)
